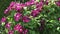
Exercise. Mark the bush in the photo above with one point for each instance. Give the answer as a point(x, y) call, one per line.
point(31, 17)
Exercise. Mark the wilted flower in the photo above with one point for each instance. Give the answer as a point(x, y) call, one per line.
point(41, 28)
point(26, 19)
point(10, 32)
point(47, 2)
point(42, 22)
point(17, 16)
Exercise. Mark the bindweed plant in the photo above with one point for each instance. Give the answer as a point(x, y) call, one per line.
point(31, 17)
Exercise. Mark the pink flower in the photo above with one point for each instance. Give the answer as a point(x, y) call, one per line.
point(59, 19)
point(29, 3)
point(32, 0)
point(10, 32)
point(34, 13)
point(39, 5)
point(25, 31)
point(20, 30)
point(17, 27)
point(57, 3)
point(6, 11)
point(36, 3)
point(46, 2)
point(26, 19)
point(17, 16)
point(8, 25)
point(12, 4)
point(3, 19)
point(18, 6)
point(23, 4)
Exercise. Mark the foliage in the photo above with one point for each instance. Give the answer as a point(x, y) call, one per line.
point(31, 17)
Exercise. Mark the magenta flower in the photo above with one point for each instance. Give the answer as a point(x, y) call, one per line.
point(10, 32)
point(17, 16)
point(3, 19)
point(47, 2)
point(17, 27)
point(25, 31)
point(39, 5)
point(8, 25)
point(6, 11)
point(26, 19)
point(18, 6)
point(23, 5)
point(59, 18)
point(12, 4)
point(36, 3)
point(57, 3)
point(29, 3)
point(20, 30)
point(32, 0)
point(34, 13)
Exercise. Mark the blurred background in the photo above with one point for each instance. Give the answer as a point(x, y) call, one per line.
point(3, 5)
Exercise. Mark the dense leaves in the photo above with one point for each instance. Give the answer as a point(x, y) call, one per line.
point(31, 17)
